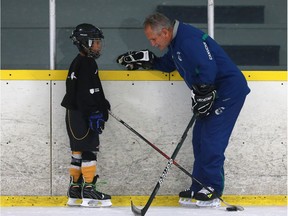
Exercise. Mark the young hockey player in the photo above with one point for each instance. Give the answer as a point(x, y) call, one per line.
point(86, 114)
point(218, 90)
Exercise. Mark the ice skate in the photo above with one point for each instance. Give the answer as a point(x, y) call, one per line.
point(93, 198)
point(74, 193)
point(207, 199)
point(186, 198)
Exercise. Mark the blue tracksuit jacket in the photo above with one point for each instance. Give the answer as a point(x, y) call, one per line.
point(200, 60)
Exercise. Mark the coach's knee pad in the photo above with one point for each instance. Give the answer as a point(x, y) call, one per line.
point(89, 156)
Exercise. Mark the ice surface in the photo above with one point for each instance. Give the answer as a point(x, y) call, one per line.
point(152, 211)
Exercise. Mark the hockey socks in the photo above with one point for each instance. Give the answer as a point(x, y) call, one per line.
point(75, 166)
point(88, 170)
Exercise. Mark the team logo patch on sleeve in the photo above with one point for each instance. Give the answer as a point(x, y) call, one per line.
point(94, 90)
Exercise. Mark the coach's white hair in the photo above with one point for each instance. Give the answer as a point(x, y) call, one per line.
point(157, 22)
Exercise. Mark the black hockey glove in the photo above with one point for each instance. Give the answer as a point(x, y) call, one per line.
point(134, 60)
point(97, 122)
point(203, 99)
point(108, 106)
point(106, 109)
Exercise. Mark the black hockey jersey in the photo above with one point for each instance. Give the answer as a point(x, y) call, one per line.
point(84, 90)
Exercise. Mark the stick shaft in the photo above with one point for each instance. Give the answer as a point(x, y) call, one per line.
point(167, 157)
point(170, 162)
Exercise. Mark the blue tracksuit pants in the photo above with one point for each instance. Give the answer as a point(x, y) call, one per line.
point(210, 138)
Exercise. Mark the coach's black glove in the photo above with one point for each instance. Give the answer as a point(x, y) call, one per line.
point(134, 60)
point(97, 122)
point(203, 99)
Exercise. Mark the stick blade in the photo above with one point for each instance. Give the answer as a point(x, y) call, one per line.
point(240, 208)
point(234, 208)
point(136, 211)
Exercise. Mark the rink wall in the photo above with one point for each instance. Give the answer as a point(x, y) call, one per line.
point(35, 151)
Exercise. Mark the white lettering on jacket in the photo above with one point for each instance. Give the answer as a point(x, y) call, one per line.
point(208, 51)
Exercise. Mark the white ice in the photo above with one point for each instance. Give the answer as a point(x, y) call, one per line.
point(152, 211)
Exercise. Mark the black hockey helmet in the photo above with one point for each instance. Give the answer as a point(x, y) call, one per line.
point(83, 37)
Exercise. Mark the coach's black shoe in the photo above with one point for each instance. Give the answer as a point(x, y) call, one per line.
point(186, 198)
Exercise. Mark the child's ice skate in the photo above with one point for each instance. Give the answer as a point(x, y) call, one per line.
point(74, 192)
point(93, 198)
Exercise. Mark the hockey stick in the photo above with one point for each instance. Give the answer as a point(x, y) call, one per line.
point(143, 211)
point(229, 206)
point(137, 211)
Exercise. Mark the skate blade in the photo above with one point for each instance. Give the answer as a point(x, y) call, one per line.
point(74, 202)
point(215, 203)
point(188, 203)
point(93, 203)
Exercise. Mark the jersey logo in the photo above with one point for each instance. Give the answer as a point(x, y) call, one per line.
point(96, 72)
point(179, 56)
point(72, 76)
point(219, 110)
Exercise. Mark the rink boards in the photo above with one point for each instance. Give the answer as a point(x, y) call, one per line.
point(35, 151)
